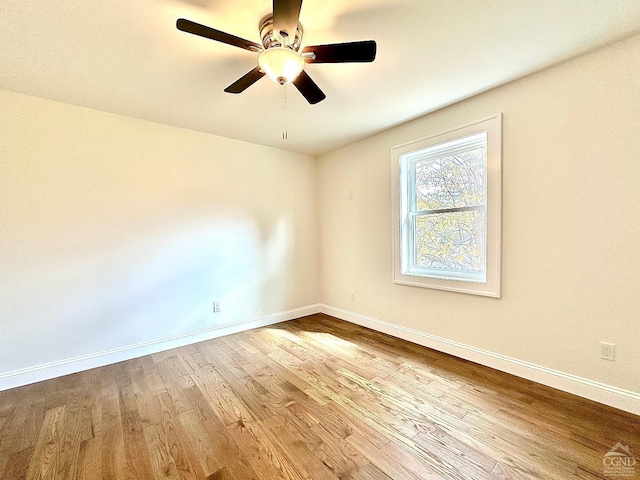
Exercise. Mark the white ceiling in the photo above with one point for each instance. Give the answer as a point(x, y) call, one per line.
point(127, 57)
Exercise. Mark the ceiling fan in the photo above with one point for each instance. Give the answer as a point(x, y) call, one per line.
point(280, 56)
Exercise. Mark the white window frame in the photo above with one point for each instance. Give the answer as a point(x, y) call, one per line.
point(487, 284)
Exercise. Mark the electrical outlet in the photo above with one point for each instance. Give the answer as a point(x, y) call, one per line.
point(352, 296)
point(216, 307)
point(607, 351)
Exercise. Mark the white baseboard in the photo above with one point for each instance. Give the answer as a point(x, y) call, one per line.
point(599, 392)
point(38, 373)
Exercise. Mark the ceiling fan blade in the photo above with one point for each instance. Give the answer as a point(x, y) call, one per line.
point(364, 51)
point(308, 88)
point(208, 32)
point(285, 17)
point(246, 81)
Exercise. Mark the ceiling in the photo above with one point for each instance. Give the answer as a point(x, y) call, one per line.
point(127, 57)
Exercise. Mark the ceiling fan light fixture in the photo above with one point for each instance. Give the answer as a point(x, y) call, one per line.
point(281, 64)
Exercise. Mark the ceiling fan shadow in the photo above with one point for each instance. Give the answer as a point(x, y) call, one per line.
point(199, 3)
point(370, 19)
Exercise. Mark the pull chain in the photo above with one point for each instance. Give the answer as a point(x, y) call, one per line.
point(283, 111)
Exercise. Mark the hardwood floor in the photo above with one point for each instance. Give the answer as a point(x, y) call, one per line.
point(315, 398)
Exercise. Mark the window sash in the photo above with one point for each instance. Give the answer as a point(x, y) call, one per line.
point(411, 159)
point(411, 266)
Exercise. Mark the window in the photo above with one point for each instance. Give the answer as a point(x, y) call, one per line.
point(446, 210)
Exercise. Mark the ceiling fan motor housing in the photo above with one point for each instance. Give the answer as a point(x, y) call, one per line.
point(272, 39)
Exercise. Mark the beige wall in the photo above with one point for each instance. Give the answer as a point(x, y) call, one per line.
point(571, 228)
point(116, 231)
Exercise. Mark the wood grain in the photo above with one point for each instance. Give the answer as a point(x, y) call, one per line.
point(314, 398)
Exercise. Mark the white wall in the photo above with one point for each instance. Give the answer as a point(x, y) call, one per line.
point(118, 232)
point(571, 226)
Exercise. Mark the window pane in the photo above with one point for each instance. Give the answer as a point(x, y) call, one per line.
point(450, 181)
point(450, 241)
